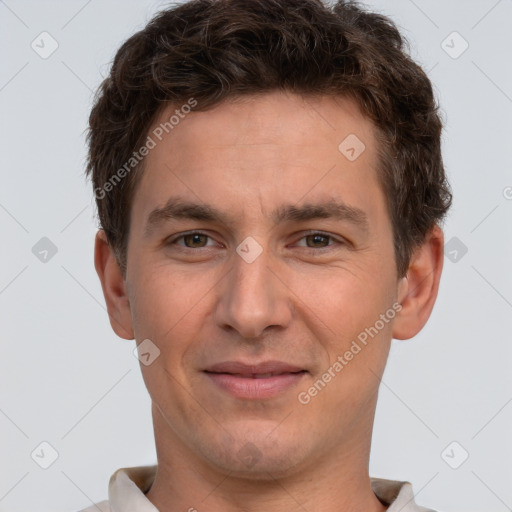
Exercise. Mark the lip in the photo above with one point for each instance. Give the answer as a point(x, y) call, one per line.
point(237, 367)
point(255, 381)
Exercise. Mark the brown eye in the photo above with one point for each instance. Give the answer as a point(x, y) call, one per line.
point(319, 243)
point(318, 240)
point(193, 241)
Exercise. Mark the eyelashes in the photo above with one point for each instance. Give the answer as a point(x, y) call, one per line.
point(332, 241)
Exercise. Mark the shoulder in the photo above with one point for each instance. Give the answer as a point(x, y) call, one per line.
point(102, 506)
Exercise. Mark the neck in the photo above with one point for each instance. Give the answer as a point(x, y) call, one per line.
point(337, 481)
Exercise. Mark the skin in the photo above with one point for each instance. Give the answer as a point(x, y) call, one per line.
point(303, 301)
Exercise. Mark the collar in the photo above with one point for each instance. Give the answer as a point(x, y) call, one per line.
point(127, 488)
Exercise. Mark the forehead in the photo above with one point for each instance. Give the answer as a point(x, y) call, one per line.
point(263, 148)
point(273, 118)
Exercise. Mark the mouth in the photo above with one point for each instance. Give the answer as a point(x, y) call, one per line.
point(257, 375)
point(255, 381)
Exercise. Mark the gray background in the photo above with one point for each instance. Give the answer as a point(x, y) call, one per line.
point(68, 380)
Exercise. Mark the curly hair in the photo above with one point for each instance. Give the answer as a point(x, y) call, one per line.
point(212, 50)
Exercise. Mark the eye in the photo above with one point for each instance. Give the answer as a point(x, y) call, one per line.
point(314, 240)
point(192, 240)
point(319, 240)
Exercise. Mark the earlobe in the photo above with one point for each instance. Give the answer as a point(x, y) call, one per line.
point(417, 292)
point(114, 287)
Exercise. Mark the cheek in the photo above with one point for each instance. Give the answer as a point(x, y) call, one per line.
point(350, 308)
point(164, 300)
point(171, 318)
point(346, 299)
point(357, 346)
point(172, 308)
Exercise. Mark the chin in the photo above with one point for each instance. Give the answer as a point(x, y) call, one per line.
point(256, 456)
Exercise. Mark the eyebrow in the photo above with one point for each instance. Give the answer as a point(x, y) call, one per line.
point(177, 208)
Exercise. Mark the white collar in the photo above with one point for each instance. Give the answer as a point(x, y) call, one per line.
point(127, 488)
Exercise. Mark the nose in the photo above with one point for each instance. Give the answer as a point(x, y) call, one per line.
point(252, 298)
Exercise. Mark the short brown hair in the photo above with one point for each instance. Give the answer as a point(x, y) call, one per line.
point(212, 50)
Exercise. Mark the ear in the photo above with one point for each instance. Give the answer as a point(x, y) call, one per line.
point(418, 289)
point(114, 287)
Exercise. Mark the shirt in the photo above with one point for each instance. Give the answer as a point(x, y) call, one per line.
point(127, 487)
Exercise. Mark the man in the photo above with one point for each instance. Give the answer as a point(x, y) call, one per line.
point(270, 190)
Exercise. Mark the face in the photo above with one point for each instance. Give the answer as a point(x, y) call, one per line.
point(260, 255)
